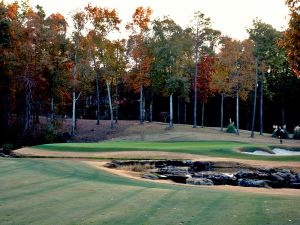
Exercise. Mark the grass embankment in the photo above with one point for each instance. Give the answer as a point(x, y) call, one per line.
point(226, 149)
point(37, 191)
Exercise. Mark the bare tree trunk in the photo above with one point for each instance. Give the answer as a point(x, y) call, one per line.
point(202, 116)
point(255, 95)
point(73, 112)
point(74, 99)
point(117, 102)
point(171, 111)
point(195, 79)
point(110, 106)
point(144, 107)
point(52, 108)
point(178, 109)
point(184, 112)
point(222, 111)
point(261, 103)
point(141, 105)
point(27, 102)
point(4, 99)
point(282, 115)
point(52, 102)
point(237, 113)
point(98, 90)
point(151, 108)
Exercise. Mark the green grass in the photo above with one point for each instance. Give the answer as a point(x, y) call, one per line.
point(44, 191)
point(208, 148)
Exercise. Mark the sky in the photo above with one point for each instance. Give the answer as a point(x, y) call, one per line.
point(231, 17)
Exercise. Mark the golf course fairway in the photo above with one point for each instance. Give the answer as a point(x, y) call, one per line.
point(52, 191)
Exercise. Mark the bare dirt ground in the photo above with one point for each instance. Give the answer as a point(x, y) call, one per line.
point(136, 176)
point(88, 131)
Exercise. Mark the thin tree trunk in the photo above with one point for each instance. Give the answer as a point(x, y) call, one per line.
point(184, 112)
point(255, 95)
point(202, 116)
point(144, 107)
point(117, 102)
point(52, 108)
point(52, 101)
point(178, 109)
point(141, 105)
point(282, 115)
point(73, 112)
point(4, 95)
point(171, 111)
point(26, 116)
point(110, 106)
point(74, 97)
point(98, 90)
point(151, 107)
point(261, 103)
point(195, 80)
point(222, 111)
point(237, 113)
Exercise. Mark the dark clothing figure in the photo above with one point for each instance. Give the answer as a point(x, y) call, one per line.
point(281, 134)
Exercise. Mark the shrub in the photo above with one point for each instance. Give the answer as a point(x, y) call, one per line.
point(7, 148)
point(280, 132)
point(231, 128)
point(297, 132)
point(138, 167)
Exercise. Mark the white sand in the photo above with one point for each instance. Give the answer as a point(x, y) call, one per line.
point(276, 151)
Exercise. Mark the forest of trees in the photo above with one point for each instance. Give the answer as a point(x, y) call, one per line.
point(192, 75)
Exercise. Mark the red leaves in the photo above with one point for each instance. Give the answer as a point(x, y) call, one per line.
point(205, 72)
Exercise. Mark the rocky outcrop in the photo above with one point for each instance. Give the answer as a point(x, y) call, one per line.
point(199, 181)
point(202, 173)
point(217, 178)
point(252, 183)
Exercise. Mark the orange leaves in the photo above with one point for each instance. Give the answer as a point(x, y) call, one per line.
point(57, 22)
point(137, 49)
point(140, 18)
point(103, 19)
point(292, 37)
point(12, 10)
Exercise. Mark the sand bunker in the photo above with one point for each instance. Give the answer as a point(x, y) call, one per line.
point(275, 152)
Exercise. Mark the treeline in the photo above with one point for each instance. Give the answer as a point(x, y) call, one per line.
point(49, 69)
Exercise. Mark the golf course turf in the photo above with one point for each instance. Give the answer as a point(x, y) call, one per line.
point(226, 149)
point(51, 191)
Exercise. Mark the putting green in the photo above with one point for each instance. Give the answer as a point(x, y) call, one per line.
point(44, 191)
point(209, 148)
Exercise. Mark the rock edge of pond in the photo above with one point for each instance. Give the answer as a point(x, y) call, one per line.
point(210, 173)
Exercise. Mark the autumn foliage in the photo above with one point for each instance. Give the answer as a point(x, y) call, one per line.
point(47, 67)
point(206, 69)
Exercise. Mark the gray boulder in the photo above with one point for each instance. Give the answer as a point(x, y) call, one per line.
point(252, 183)
point(295, 185)
point(248, 174)
point(173, 170)
point(217, 178)
point(199, 181)
point(150, 176)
